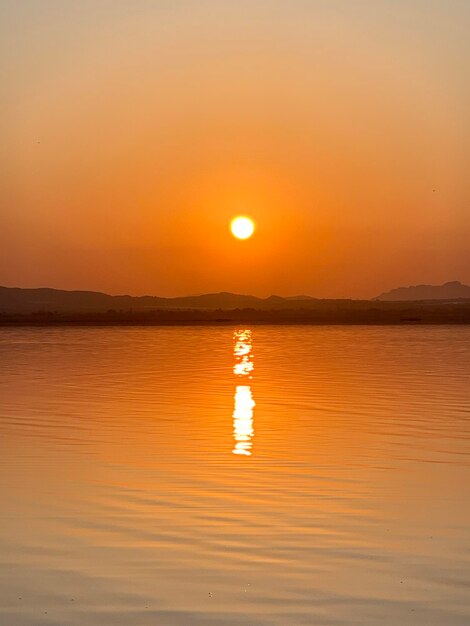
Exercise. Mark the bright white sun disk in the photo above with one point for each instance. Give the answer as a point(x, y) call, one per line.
point(242, 227)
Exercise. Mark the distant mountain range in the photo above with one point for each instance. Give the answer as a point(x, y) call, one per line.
point(26, 301)
point(16, 300)
point(453, 290)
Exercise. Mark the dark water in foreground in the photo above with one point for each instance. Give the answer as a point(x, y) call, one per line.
point(283, 476)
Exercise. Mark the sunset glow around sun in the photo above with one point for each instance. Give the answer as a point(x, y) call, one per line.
point(242, 227)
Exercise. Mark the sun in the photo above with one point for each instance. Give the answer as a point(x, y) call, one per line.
point(242, 227)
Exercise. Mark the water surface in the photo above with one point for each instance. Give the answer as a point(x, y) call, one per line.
point(275, 476)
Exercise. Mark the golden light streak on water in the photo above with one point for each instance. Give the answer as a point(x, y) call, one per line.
point(243, 430)
point(243, 420)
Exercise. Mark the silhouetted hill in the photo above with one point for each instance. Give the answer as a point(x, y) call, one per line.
point(448, 291)
point(53, 306)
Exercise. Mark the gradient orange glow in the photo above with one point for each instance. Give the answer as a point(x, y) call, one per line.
point(132, 133)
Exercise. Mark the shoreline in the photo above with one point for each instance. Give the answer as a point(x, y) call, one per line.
point(433, 317)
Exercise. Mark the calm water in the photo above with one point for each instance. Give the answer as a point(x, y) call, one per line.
point(275, 476)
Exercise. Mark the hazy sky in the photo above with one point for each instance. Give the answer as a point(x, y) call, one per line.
point(132, 131)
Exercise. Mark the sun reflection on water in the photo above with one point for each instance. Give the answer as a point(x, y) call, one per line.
point(243, 430)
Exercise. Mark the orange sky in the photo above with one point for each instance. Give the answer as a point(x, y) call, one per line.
point(132, 132)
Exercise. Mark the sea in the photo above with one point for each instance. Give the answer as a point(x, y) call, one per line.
point(235, 476)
